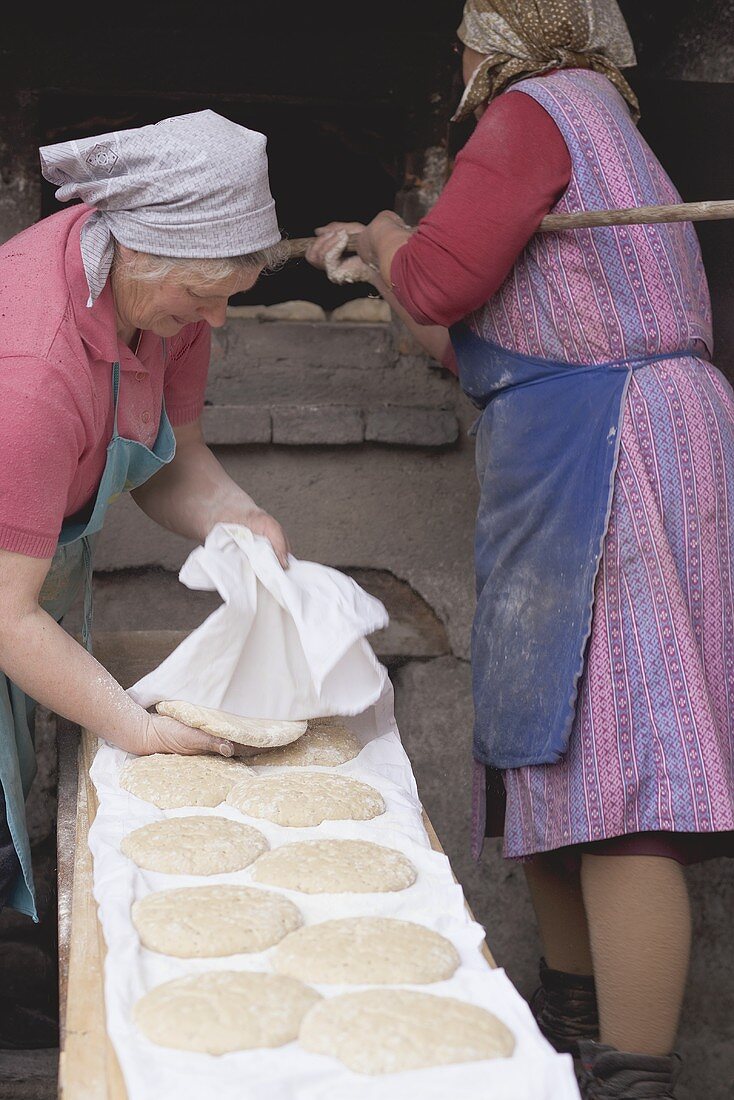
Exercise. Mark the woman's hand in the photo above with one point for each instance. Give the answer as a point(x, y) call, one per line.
point(376, 245)
point(162, 734)
point(260, 523)
point(325, 238)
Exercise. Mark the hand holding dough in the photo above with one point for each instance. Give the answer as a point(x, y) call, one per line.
point(259, 733)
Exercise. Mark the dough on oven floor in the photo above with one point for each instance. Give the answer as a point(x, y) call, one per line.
point(194, 845)
point(326, 746)
point(262, 733)
point(225, 1010)
point(366, 951)
point(170, 781)
point(306, 798)
point(335, 867)
point(196, 922)
point(391, 1030)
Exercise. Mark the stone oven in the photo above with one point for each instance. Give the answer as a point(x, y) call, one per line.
point(343, 430)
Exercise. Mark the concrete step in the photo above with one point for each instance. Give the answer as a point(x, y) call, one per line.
point(328, 425)
point(321, 363)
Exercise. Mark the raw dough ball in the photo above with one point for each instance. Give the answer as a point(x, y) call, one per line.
point(171, 781)
point(263, 733)
point(364, 310)
point(366, 951)
point(391, 1030)
point(294, 311)
point(203, 921)
point(194, 846)
point(306, 798)
point(322, 745)
point(335, 867)
point(227, 1010)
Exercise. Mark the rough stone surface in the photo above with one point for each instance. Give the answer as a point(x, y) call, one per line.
point(243, 424)
point(412, 517)
point(29, 1074)
point(318, 424)
point(412, 427)
point(245, 342)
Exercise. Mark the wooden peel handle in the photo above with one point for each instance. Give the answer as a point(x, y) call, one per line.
point(588, 219)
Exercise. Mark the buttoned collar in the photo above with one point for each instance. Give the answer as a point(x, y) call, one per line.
point(97, 324)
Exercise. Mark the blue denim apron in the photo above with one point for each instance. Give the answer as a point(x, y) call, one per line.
point(128, 464)
point(547, 443)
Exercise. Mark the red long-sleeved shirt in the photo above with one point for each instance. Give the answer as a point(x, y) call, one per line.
point(510, 173)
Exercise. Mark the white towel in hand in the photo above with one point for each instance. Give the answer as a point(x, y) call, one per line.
point(284, 644)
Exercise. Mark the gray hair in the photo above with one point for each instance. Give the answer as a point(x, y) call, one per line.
point(149, 268)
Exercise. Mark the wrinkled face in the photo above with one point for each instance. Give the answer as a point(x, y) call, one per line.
point(167, 305)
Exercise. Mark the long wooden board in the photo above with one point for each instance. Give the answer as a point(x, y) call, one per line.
point(88, 1066)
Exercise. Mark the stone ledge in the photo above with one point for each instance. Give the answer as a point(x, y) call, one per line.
point(328, 425)
point(247, 343)
point(411, 427)
point(313, 424)
point(228, 424)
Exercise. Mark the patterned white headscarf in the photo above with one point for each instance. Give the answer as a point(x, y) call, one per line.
point(524, 38)
point(194, 186)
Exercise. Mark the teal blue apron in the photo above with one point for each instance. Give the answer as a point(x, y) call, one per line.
point(128, 464)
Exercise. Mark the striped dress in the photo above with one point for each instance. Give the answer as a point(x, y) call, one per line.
point(653, 738)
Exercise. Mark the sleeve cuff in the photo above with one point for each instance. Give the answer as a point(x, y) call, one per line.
point(184, 414)
point(29, 543)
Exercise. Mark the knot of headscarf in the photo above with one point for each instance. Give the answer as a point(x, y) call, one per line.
point(193, 186)
point(524, 38)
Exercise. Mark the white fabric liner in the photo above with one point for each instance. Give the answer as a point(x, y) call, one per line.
point(286, 644)
point(151, 1072)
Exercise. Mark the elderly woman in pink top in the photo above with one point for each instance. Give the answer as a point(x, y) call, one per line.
point(104, 349)
point(603, 639)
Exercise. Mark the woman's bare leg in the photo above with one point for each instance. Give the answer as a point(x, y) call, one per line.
point(640, 930)
point(559, 907)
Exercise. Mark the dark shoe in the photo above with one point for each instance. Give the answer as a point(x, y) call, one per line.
point(564, 1007)
point(611, 1074)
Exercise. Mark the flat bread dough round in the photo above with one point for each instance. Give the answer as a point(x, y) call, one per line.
point(306, 798)
point(223, 1011)
point(335, 867)
point(261, 733)
point(366, 951)
point(194, 846)
point(322, 746)
point(170, 781)
point(196, 922)
point(392, 1030)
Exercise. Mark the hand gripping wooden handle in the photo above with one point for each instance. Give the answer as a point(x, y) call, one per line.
point(589, 219)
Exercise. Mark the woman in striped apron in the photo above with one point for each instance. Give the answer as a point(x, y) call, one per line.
point(603, 641)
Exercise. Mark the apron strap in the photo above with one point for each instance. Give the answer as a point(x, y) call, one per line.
point(115, 393)
point(88, 605)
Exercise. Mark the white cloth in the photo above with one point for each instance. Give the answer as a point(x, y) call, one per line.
point(193, 186)
point(286, 644)
point(535, 1072)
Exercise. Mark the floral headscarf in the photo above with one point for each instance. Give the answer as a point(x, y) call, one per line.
point(523, 38)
